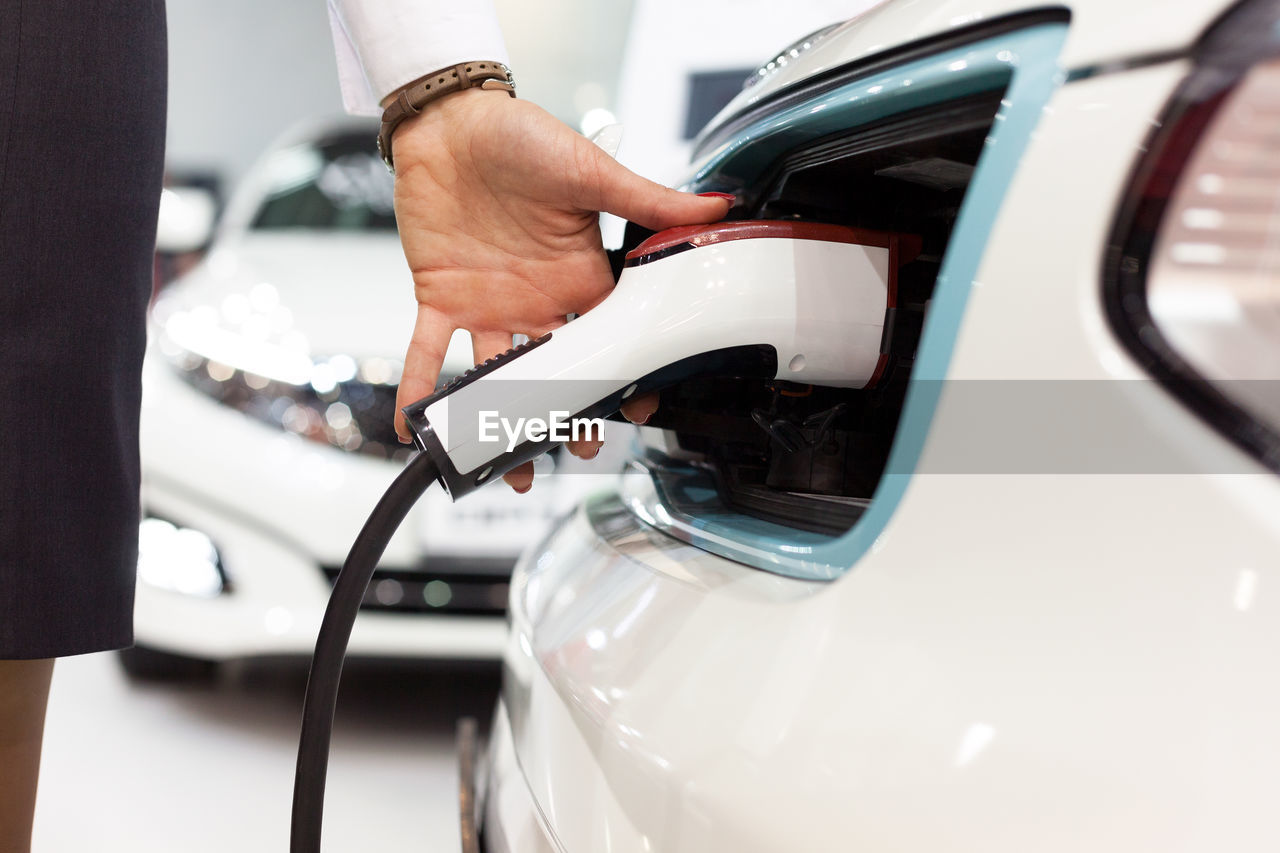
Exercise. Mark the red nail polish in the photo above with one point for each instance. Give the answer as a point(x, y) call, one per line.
point(729, 197)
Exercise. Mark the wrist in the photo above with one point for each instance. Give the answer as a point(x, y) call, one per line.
point(456, 110)
point(432, 89)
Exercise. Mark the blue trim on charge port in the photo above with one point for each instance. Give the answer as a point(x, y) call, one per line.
point(1028, 61)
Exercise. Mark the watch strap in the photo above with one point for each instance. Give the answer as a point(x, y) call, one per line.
point(411, 99)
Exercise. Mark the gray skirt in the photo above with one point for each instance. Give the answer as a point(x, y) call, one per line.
point(82, 111)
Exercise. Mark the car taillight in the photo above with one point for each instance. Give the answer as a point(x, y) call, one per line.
point(1193, 276)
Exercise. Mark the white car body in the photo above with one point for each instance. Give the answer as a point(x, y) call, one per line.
point(277, 506)
point(1016, 661)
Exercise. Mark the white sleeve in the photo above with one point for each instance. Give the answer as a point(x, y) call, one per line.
point(384, 44)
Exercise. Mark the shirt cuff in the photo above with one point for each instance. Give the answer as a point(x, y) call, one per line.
point(383, 44)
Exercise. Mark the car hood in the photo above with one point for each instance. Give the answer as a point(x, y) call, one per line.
point(348, 294)
point(1100, 32)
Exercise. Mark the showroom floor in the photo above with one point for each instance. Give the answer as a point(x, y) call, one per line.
point(209, 767)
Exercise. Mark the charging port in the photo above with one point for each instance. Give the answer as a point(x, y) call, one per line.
point(810, 456)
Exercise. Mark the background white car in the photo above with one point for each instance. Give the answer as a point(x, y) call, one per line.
point(1021, 595)
point(269, 391)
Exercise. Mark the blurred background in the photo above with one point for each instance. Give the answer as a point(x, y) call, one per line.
point(242, 72)
point(283, 307)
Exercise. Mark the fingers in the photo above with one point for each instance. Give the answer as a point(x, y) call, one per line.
point(486, 345)
point(584, 448)
point(431, 333)
point(588, 447)
point(520, 478)
point(620, 191)
point(639, 410)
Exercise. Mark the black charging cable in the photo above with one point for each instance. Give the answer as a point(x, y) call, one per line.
point(331, 648)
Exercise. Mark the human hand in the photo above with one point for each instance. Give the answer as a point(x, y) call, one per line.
point(497, 204)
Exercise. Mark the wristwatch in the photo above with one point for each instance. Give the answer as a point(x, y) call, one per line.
point(410, 100)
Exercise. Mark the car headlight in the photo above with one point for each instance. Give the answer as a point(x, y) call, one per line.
point(179, 559)
point(270, 375)
point(1193, 275)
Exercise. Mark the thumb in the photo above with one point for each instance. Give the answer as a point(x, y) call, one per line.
point(622, 192)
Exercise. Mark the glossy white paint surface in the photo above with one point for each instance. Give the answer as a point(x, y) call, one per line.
point(348, 293)
point(513, 822)
point(1100, 32)
point(1034, 661)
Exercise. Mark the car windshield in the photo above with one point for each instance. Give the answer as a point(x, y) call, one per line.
point(336, 183)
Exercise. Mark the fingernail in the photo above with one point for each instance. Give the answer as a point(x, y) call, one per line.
point(404, 440)
point(525, 489)
point(643, 420)
point(594, 455)
point(729, 197)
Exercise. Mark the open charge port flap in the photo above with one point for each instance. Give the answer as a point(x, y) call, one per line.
point(811, 457)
